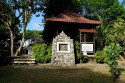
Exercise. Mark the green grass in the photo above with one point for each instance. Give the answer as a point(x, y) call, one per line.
point(8, 74)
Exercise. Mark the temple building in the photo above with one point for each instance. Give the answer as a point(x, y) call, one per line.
point(70, 23)
point(63, 30)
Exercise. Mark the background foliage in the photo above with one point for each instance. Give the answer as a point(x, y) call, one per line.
point(42, 53)
point(35, 36)
point(55, 7)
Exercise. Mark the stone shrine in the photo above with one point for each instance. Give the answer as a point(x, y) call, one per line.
point(63, 50)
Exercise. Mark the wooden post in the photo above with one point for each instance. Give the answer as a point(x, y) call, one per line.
point(84, 37)
point(80, 46)
point(94, 46)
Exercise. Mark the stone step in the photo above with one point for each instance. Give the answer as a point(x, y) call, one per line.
point(24, 62)
point(24, 59)
point(90, 55)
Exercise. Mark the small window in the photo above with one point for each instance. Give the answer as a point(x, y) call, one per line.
point(63, 47)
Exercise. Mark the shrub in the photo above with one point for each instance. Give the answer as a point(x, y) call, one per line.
point(83, 59)
point(112, 52)
point(77, 53)
point(42, 53)
point(49, 53)
point(100, 56)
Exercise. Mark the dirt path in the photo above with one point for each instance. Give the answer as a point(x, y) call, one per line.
point(49, 66)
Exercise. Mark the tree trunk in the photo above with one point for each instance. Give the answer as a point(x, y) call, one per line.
point(12, 42)
point(22, 42)
point(24, 32)
point(12, 38)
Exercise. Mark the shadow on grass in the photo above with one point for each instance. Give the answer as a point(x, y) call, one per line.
point(8, 74)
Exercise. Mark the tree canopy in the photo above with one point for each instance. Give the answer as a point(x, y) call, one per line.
point(54, 7)
point(25, 8)
point(108, 9)
point(34, 35)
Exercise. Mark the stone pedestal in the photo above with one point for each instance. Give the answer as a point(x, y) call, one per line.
point(63, 50)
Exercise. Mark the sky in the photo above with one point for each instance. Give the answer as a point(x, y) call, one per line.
point(36, 22)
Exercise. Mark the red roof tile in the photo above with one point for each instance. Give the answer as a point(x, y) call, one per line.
point(72, 17)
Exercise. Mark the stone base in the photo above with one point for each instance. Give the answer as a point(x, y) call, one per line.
point(65, 57)
point(63, 60)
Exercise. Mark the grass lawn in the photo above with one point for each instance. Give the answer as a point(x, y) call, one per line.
point(8, 74)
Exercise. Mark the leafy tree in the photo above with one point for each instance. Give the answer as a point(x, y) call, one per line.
point(25, 9)
point(55, 7)
point(107, 11)
point(116, 32)
point(8, 19)
point(35, 36)
point(4, 33)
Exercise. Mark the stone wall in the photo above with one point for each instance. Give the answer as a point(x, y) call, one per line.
point(62, 58)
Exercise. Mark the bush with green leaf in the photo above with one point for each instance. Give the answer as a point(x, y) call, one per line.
point(112, 52)
point(49, 53)
point(77, 53)
point(42, 53)
point(77, 49)
point(100, 56)
point(83, 59)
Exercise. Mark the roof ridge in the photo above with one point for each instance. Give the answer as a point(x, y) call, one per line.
point(69, 16)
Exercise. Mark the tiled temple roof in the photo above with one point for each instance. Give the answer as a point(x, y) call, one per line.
point(71, 17)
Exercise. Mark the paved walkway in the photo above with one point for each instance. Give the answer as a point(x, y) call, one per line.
point(49, 66)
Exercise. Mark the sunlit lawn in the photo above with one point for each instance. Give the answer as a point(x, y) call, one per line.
point(8, 74)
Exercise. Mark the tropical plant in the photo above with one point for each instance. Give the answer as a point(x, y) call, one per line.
point(108, 11)
point(116, 33)
point(112, 52)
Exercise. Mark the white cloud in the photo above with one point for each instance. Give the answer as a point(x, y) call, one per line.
point(37, 26)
